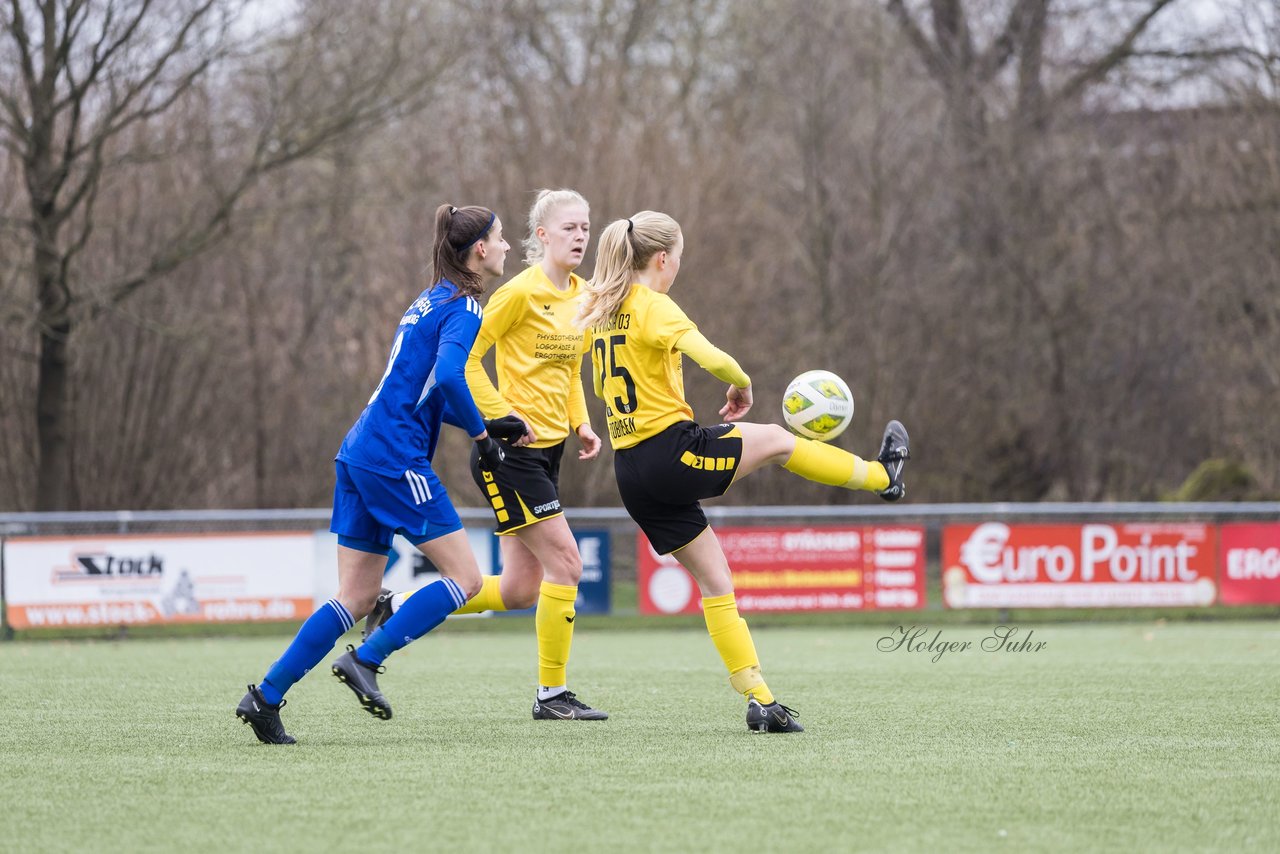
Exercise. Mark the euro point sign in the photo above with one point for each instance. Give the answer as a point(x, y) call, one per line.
point(787, 569)
point(1097, 565)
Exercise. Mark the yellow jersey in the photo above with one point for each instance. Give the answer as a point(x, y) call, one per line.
point(637, 372)
point(539, 356)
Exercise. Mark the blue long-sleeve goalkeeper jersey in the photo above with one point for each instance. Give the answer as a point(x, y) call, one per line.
point(423, 386)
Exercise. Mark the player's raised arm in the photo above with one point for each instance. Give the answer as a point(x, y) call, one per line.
point(722, 366)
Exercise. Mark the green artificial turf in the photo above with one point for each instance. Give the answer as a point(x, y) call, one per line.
point(1111, 737)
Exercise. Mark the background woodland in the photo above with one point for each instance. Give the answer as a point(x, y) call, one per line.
point(1045, 234)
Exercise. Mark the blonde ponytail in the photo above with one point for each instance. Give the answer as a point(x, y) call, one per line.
point(625, 247)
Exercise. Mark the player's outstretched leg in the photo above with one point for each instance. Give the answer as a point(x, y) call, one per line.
point(362, 678)
point(771, 717)
point(827, 464)
point(894, 452)
point(263, 717)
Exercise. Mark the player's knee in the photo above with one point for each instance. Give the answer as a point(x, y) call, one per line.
point(565, 567)
point(780, 442)
point(358, 604)
point(469, 582)
point(519, 598)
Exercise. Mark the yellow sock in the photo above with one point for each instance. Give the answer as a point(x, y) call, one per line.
point(554, 622)
point(732, 638)
point(834, 466)
point(488, 599)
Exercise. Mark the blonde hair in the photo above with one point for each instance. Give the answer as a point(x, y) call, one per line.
point(543, 205)
point(625, 247)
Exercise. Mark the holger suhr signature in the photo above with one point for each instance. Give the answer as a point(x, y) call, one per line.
point(917, 639)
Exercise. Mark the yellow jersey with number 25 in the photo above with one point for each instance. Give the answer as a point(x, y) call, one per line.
point(636, 369)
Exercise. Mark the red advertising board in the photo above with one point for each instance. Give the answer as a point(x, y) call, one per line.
point(828, 568)
point(1250, 564)
point(1098, 565)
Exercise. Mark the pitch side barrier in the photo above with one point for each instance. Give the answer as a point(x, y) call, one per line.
point(120, 568)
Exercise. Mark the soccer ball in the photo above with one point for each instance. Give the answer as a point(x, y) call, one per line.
point(817, 405)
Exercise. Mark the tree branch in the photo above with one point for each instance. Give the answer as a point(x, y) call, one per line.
point(928, 52)
point(1002, 49)
point(1117, 54)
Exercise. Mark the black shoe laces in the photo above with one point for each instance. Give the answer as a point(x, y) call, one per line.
point(569, 698)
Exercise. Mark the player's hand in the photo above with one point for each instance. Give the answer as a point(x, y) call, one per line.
point(590, 443)
point(508, 428)
point(491, 455)
point(529, 436)
point(738, 403)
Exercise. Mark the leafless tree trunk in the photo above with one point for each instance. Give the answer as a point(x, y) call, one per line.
point(91, 76)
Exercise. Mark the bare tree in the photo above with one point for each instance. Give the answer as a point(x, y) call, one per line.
point(88, 82)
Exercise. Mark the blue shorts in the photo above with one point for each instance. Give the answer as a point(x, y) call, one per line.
point(369, 508)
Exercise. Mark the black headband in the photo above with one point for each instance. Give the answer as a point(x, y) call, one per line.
point(492, 216)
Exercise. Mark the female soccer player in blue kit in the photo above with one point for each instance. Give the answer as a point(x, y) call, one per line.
point(385, 484)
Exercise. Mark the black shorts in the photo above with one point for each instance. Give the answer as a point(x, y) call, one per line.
point(526, 487)
point(662, 479)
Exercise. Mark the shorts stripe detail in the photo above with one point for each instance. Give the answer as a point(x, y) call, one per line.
point(344, 616)
point(419, 486)
point(455, 591)
point(694, 461)
point(413, 487)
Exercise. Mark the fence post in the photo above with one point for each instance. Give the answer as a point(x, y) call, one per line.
point(6, 631)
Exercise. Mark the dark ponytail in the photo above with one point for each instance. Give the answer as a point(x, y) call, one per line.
point(458, 230)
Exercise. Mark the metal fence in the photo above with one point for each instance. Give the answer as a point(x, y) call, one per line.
point(933, 517)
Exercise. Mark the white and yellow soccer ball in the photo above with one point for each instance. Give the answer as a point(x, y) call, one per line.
point(817, 405)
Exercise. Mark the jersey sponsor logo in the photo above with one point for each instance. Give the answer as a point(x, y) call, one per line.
point(621, 427)
point(557, 348)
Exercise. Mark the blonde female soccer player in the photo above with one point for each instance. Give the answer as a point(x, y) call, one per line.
point(531, 322)
point(665, 462)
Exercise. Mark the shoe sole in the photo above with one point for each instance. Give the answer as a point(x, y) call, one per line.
point(765, 728)
point(380, 711)
point(242, 716)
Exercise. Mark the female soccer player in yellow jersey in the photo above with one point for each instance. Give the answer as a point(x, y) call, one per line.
point(665, 462)
point(531, 321)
